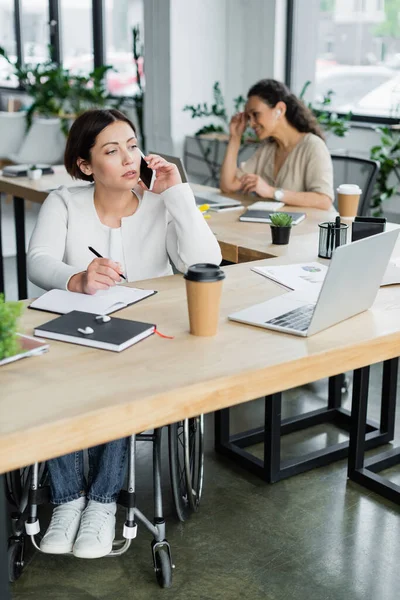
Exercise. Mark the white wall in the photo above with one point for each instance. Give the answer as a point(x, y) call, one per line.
point(190, 44)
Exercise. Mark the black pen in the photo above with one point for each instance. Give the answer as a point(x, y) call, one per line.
point(100, 256)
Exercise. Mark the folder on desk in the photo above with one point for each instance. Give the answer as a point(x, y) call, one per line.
point(111, 334)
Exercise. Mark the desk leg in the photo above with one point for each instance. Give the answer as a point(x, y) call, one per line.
point(358, 419)
point(19, 216)
point(4, 587)
point(1, 259)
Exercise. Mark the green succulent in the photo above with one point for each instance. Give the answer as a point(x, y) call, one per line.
point(281, 219)
point(9, 313)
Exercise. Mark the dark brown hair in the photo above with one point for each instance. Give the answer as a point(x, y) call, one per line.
point(83, 134)
point(297, 113)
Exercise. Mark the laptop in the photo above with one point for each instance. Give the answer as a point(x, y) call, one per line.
point(350, 286)
point(213, 199)
point(175, 160)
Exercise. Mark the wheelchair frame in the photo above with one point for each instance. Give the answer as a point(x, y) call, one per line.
point(186, 457)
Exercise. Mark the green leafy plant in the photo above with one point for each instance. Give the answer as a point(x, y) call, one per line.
point(387, 153)
point(9, 314)
point(217, 110)
point(329, 120)
point(281, 219)
point(57, 92)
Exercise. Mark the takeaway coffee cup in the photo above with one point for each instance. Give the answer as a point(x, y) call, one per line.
point(203, 289)
point(348, 196)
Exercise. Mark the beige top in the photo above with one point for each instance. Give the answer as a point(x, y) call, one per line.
point(308, 167)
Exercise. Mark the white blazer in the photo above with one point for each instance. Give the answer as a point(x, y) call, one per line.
point(165, 226)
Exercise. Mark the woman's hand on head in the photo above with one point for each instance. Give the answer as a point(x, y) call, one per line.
point(167, 174)
point(101, 274)
point(238, 125)
point(255, 183)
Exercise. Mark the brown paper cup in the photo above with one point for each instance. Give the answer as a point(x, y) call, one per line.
point(204, 300)
point(348, 204)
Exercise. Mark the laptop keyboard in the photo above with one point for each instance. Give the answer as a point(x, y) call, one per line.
point(298, 319)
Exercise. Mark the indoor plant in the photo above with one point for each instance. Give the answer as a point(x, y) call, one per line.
point(34, 172)
point(387, 153)
point(9, 313)
point(328, 119)
point(281, 225)
point(56, 92)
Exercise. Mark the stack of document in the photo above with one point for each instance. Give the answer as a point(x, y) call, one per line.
point(301, 276)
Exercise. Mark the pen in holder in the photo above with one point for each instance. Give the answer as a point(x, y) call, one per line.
point(331, 235)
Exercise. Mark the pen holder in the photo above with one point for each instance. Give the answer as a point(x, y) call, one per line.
point(330, 237)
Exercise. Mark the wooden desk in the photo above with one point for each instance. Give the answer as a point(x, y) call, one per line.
point(240, 242)
point(22, 188)
point(76, 397)
point(243, 242)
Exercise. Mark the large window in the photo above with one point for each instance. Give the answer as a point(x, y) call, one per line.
point(68, 26)
point(77, 36)
point(8, 42)
point(35, 31)
point(121, 16)
point(359, 56)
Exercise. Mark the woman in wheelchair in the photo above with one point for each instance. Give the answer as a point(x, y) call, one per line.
point(139, 232)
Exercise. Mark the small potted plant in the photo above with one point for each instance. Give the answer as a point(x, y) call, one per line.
point(34, 172)
point(9, 313)
point(281, 224)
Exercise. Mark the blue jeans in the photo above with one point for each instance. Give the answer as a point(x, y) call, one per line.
point(107, 465)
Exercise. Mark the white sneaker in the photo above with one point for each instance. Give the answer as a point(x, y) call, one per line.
point(61, 533)
point(97, 531)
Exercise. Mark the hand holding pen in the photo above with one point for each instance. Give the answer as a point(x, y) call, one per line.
point(101, 274)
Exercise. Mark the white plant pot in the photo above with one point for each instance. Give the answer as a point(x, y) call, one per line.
point(34, 174)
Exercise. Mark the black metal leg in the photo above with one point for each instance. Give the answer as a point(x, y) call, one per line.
point(272, 437)
point(335, 391)
point(358, 419)
point(1, 259)
point(272, 468)
point(19, 216)
point(221, 427)
point(389, 391)
point(4, 587)
point(365, 471)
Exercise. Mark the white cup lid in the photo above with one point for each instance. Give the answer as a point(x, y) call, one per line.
point(349, 188)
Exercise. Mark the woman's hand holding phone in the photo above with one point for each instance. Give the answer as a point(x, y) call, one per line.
point(167, 174)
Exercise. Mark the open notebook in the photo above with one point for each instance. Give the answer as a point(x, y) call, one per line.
point(104, 302)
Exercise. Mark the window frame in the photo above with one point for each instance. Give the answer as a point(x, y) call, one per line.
point(290, 32)
point(55, 36)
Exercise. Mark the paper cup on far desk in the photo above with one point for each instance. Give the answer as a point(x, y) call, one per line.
point(203, 289)
point(348, 197)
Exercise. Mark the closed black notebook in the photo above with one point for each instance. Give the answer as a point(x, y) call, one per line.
point(263, 216)
point(114, 334)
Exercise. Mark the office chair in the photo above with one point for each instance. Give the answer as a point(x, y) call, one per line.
point(361, 171)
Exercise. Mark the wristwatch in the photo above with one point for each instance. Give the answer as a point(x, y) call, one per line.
point(278, 194)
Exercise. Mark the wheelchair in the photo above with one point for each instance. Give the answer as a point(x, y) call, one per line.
point(28, 488)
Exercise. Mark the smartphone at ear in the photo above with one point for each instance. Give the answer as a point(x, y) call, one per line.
point(147, 175)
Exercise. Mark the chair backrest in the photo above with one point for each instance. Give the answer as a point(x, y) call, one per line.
point(361, 171)
point(12, 132)
point(44, 143)
point(176, 161)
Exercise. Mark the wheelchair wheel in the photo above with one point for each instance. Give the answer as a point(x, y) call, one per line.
point(186, 454)
point(163, 568)
point(15, 558)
